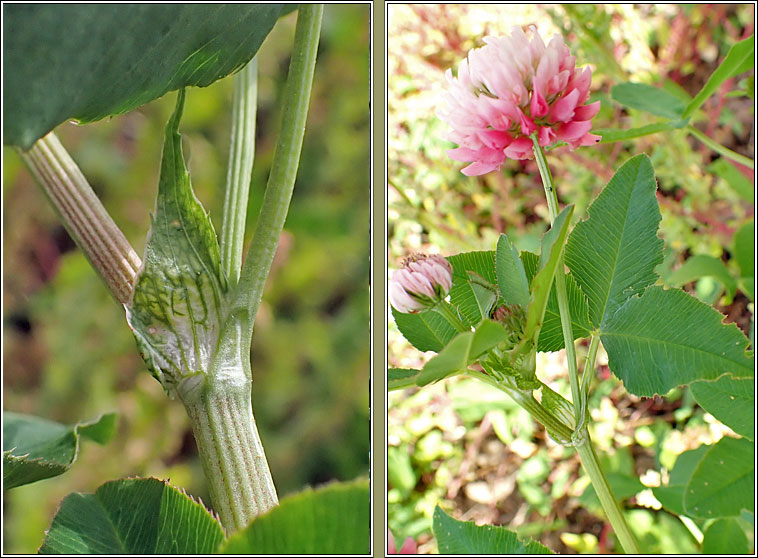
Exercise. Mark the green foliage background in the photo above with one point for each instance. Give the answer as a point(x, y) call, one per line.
point(472, 451)
point(68, 354)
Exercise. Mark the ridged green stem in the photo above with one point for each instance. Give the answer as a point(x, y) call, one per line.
point(239, 170)
point(720, 149)
point(527, 401)
point(610, 505)
point(83, 215)
point(560, 282)
point(239, 479)
point(281, 182)
point(581, 438)
point(219, 404)
point(587, 374)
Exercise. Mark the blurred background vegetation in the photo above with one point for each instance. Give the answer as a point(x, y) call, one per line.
point(68, 354)
point(465, 445)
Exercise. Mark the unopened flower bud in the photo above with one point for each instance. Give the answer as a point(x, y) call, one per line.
point(421, 283)
point(513, 317)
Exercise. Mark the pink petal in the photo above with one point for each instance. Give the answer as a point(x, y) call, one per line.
point(557, 84)
point(463, 154)
point(546, 136)
point(572, 130)
point(563, 108)
point(494, 139)
point(527, 125)
point(440, 273)
point(476, 169)
point(590, 139)
point(521, 148)
point(581, 81)
point(409, 547)
point(539, 106)
point(401, 300)
point(587, 112)
point(418, 283)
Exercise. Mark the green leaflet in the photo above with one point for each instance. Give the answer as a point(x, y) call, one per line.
point(739, 59)
point(401, 378)
point(656, 339)
point(667, 338)
point(472, 299)
point(613, 253)
point(611, 135)
point(511, 277)
point(90, 61)
point(730, 400)
point(725, 536)
point(744, 253)
point(465, 537)
point(542, 282)
point(35, 448)
point(648, 98)
point(737, 181)
point(178, 307)
point(551, 334)
point(464, 349)
point(723, 483)
point(333, 519)
point(671, 495)
point(744, 248)
point(132, 516)
point(427, 331)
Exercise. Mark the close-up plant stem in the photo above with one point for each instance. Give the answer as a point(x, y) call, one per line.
point(231, 451)
point(720, 149)
point(527, 401)
point(220, 410)
point(560, 281)
point(83, 215)
point(608, 501)
point(219, 405)
point(239, 169)
point(581, 437)
point(281, 181)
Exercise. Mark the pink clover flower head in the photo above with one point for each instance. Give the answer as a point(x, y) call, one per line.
point(509, 89)
point(421, 283)
point(409, 546)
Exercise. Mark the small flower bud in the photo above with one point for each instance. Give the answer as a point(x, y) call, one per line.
point(421, 283)
point(513, 317)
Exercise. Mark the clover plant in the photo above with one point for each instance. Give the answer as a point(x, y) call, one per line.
point(487, 313)
point(190, 300)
